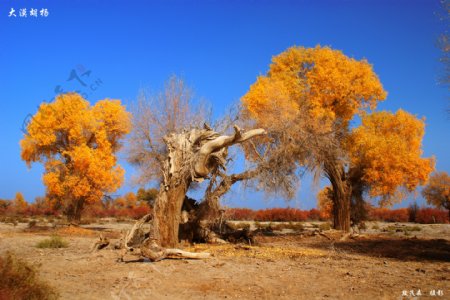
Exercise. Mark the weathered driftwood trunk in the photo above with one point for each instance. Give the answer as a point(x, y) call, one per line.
point(167, 214)
point(205, 220)
point(192, 156)
point(140, 241)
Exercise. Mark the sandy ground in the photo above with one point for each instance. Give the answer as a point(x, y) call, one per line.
point(378, 264)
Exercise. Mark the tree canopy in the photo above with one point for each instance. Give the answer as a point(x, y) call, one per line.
point(77, 143)
point(386, 151)
point(330, 85)
point(308, 99)
point(437, 191)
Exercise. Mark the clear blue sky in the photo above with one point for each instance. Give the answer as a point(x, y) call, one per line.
point(218, 47)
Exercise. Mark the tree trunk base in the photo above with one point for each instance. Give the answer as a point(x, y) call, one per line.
point(140, 242)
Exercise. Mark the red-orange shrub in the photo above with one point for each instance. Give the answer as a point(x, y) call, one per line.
point(138, 211)
point(133, 212)
point(315, 215)
point(431, 216)
point(240, 214)
point(281, 215)
point(388, 215)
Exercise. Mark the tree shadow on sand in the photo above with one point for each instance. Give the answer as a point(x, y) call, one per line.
point(412, 249)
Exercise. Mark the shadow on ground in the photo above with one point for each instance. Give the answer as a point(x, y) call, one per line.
point(402, 249)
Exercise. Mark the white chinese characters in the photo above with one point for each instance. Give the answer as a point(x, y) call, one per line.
point(32, 12)
point(419, 293)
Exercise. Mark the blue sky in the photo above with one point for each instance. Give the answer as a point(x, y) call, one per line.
point(218, 47)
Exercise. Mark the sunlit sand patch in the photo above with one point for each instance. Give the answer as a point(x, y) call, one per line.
point(76, 231)
point(264, 252)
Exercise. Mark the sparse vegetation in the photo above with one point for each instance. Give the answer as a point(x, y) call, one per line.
point(32, 224)
point(325, 226)
point(391, 229)
point(19, 280)
point(53, 242)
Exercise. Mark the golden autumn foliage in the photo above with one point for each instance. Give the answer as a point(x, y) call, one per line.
point(387, 148)
point(77, 142)
point(325, 202)
point(316, 92)
point(331, 85)
point(20, 204)
point(437, 191)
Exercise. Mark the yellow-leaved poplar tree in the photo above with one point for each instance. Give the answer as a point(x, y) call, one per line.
point(325, 202)
point(77, 142)
point(317, 91)
point(130, 200)
point(333, 86)
point(19, 203)
point(386, 155)
point(437, 191)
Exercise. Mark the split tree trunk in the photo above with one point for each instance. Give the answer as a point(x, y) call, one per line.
point(205, 219)
point(192, 156)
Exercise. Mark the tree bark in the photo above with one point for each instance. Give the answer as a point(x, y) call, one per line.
point(341, 218)
point(341, 195)
point(207, 215)
point(73, 211)
point(358, 210)
point(167, 216)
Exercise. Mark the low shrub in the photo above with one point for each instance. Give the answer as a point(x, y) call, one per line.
point(389, 215)
point(32, 224)
point(281, 215)
point(53, 242)
point(19, 280)
point(412, 228)
point(11, 220)
point(314, 215)
point(93, 213)
point(139, 211)
point(240, 214)
point(362, 226)
point(295, 226)
point(325, 226)
point(240, 225)
point(405, 229)
point(431, 216)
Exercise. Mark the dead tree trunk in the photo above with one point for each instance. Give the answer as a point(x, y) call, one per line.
point(207, 216)
point(167, 215)
point(192, 155)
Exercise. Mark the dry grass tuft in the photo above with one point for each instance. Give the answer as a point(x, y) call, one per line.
point(53, 242)
point(19, 280)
